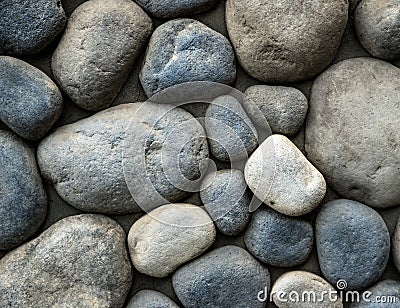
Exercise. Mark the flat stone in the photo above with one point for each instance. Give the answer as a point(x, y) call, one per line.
point(396, 245)
point(280, 176)
point(168, 237)
point(226, 199)
point(352, 130)
point(151, 299)
point(353, 243)
point(97, 50)
point(185, 50)
point(30, 102)
point(23, 202)
point(284, 108)
point(285, 41)
point(278, 240)
point(27, 27)
point(229, 268)
point(80, 261)
point(377, 26)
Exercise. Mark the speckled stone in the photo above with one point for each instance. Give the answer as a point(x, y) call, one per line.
point(353, 243)
point(151, 299)
point(385, 294)
point(225, 277)
point(30, 102)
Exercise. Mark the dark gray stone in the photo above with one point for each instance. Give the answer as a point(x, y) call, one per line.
point(30, 102)
point(278, 240)
point(23, 202)
point(184, 50)
point(151, 299)
point(80, 261)
point(353, 243)
point(352, 130)
point(225, 277)
point(226, 199)
point(385, 294)
point(27, 27)
point(377, 23)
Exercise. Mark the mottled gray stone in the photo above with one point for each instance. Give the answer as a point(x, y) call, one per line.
point(284, 108)
point(151, 299)
point(280, 176)
point(27, 27)
point(225, 277)
point(23, 202)
point(175, 8)
point(396, 245)
point(353, 243)
point(278, 240)
point(232, 135)
point(97, 50)
point(377, 23)
point(385, 294)
point(352, 130)
point(168, 237)
point(184, 50)
point(30, 102)
point(226, 199)
point(80, 261)
point(285, 40)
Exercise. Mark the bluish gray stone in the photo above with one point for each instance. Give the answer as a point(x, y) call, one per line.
point(175, 8)
point(277, 239)
point(353, 243)
point(30, 102)
point(184, 50)
point(23, 202)
point(385, 294)
point(151, 299)
point(28, 26)
point(225, 277)
point(226, 199)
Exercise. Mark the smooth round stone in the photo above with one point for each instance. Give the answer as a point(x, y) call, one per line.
point(185, 50)
point(225, 198)
point(396, 246)
point(377, 25)
point(280, 176)
point(278, 240)
point(97, 50)
point(385, 294)
point(352, 130)
point(232, 135)
point(175, 8)
point(285, 41)
point(353, 243)
point(168, 237)
point(80, 261)
point(231, 269)
point(284, 108)
point(151, 299)
point(293, 289)
point(23, 202)
point(30, 102)
point(84, 160)
point(27, 27)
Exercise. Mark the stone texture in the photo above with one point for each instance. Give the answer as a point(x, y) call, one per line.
point(353, 4)
point(284, 108)
point(231, 134)
point(385, 294)
point(377, 23)
point(175, 8)
point(278, 240)
point(285, 41)
point(98, 49)
point(184, 50)
point(168, 237)
point(80, 261)
point(396, 245)
point(30, 102)
point(280, 176)
point(352, 130)
point(301, 282)
point(353, 243)
point(151, 299)
point(225, 277)
point(226, 199)
point(23, 202)
point(27, 27)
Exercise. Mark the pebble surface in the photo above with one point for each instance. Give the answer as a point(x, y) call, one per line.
point(396, 245)
point(151, 299)
point(385, 294)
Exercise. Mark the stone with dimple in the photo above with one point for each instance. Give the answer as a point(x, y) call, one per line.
point(384, 294)
point(151, 299)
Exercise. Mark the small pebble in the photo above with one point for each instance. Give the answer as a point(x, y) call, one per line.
point(151, 299)
point(385, 294)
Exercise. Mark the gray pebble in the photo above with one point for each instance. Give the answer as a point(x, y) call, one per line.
point(396, 245)
point(385, 294)
point(151, 299)
point(30, 102)
point(23, 202)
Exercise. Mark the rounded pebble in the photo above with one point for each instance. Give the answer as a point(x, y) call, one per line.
point(396, 245)
point(151, 299)
point(385, 294)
